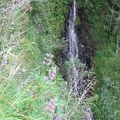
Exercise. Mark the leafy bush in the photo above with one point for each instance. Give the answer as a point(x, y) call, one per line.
point(106, 60)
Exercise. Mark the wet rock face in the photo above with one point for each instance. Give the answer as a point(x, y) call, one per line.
point(85, 44)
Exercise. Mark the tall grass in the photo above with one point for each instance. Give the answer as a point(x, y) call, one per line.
point(27, 33)
point(24, 92)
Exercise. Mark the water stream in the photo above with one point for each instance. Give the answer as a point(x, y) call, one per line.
point(72, 38)
point(73, 48)
point(73, 73)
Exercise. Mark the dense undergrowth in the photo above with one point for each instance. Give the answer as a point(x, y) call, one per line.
point(104, 20)
point(29, 32)
point(25, 94)
point(31, 87)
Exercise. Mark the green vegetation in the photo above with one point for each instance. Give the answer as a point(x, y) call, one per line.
point(25, 93)
point(29, 36)
point(29, 33)
point(104, 19)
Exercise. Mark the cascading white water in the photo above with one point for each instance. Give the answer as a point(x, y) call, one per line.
point(72, 38)
point(72, 55)
point(73, 48)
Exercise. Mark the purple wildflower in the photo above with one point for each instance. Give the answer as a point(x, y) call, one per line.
point(47, 54)
point(58, 118)
point(52, 104)
point(47, 60)
point(51, 74)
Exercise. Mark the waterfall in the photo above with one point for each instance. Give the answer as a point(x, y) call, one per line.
point(73, 48)
point(73, 73)
point(71, 34)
